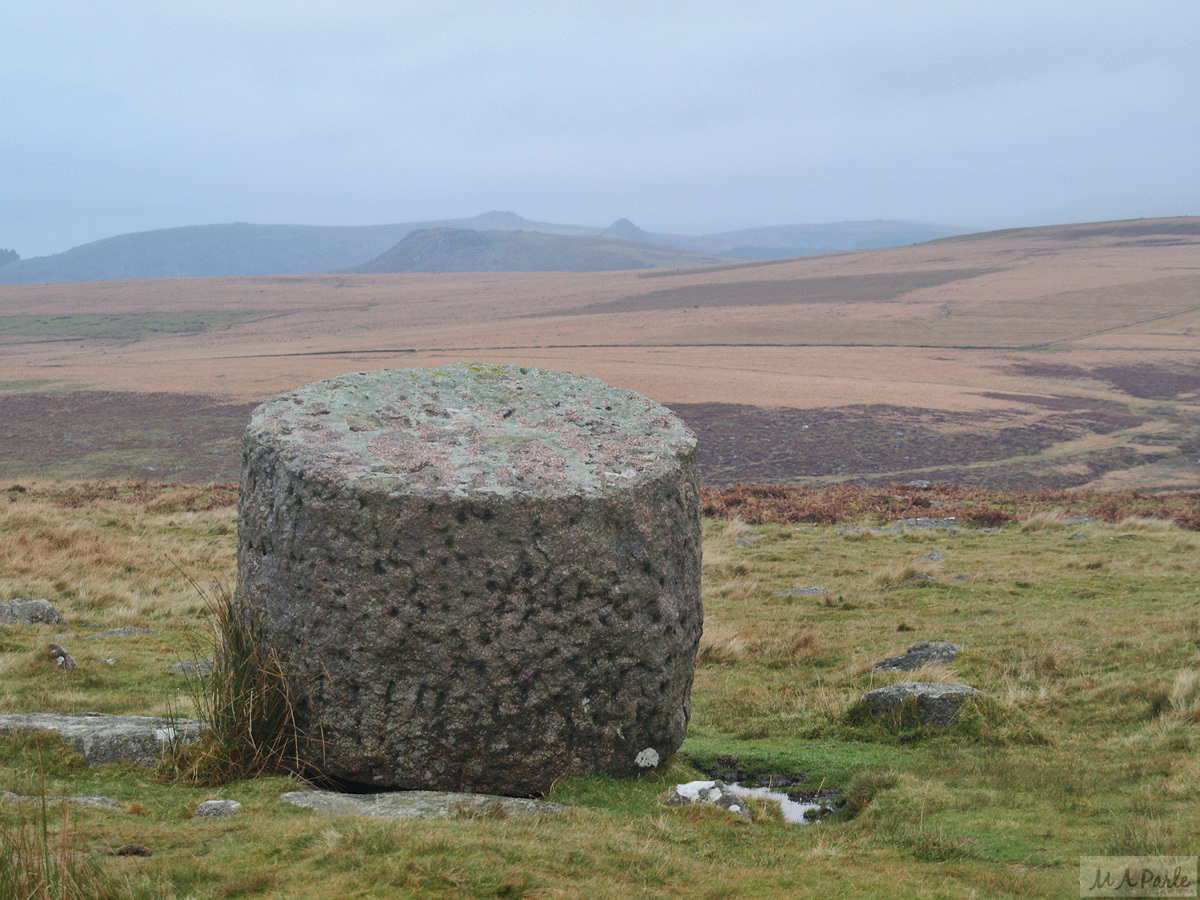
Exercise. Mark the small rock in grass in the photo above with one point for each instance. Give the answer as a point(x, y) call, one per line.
point(922, 653)
point(132, 631)
point(743, 542)
point(812, 591)
point(1079, 536)
point(937, 704)
point(932, 523)
point(1079, 520)
point(217, 809)
point(935, 556)
point(198, 668)
point(710, 793)
point(61, 658)
point(24, 611)
point(109, 661)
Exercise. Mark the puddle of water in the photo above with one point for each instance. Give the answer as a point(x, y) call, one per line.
point(793, 810)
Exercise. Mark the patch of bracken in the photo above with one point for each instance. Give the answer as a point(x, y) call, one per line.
point(758, 504)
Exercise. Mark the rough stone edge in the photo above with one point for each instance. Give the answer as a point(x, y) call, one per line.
point(420, 804)
point(106, 739)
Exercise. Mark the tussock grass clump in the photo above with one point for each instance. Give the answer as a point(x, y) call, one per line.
point(1185, 696)
point(39, 862)
point(721, 645)
point(1044, 521)
point(896, 575)
point(249, 703)
point(1146, 525)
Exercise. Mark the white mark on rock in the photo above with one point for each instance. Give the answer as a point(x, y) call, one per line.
point(647, 759)
point(165, 735)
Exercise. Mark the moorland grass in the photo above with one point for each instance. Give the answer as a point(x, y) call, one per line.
point(1088, 743)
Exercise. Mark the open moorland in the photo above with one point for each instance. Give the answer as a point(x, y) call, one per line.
point(1043, 357)
point(1084, 634)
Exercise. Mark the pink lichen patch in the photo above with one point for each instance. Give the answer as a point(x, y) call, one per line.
point(478, 429)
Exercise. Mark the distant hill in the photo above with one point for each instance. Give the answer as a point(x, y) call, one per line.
point(467, 250)
point(783, 241)
point(209, 250)
point(244, 249)
point(199, 251)
point(624, 230)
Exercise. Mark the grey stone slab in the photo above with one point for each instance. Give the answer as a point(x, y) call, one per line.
point(131, 631)
point(937, 704)
point(106, 739)
point(78, 800)
point(922, 653)
point(420, 804)
point(24, 611)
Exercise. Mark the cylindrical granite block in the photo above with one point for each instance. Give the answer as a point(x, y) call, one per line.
point(482, 578)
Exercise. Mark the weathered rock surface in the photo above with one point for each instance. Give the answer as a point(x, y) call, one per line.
point(922, 653)
point(814, 590)
point(24, 611)
point(420, 804)
point(61, 658)
point(482, 577)
point(195, 668)
point(78, 800)
point(106, 739)
point(217, 809)
point(131, 631)
point(937, 704)
point(711, 793)
point(935, 556)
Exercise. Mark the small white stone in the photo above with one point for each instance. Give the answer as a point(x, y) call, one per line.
point(647, 759)
point(691, 790)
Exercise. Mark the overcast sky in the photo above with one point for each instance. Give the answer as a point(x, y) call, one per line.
point(685, 116)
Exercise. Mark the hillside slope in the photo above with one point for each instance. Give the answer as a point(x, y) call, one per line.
point(241, 249)
point(466, 250)
point(207, 251)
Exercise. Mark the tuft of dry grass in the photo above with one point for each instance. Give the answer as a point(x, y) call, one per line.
point(249, 703)
point(1185, 695)
point(721, 645)
point(41, 862)
point(898, 574)
point(1044, 520)
point(1146, 524)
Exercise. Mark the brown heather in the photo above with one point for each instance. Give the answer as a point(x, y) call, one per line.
point(758, 504)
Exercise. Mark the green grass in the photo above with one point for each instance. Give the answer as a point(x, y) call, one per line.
point(1089, 743)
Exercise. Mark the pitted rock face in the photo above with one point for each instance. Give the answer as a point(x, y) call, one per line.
point(482, 577)
point(475, 429)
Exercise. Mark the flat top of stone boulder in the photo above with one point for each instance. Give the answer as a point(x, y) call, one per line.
point(468, 428)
